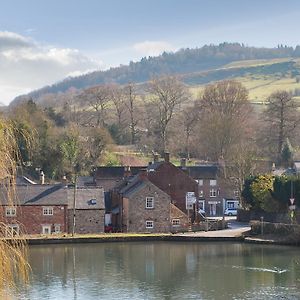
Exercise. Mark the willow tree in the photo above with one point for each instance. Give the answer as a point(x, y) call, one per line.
point(13, 251)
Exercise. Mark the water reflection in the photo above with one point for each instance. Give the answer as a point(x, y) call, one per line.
point(163, 270)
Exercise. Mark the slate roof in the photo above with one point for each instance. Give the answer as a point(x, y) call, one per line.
point(115, 172)
point(57, 194)
point(86, 198)
point(202, 172)
point(132, 186)
point(36, 195)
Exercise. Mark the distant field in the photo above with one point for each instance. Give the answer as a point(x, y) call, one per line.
point(261, 85)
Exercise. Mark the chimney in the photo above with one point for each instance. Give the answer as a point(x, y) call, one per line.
point(64, 181)
point(155, 157)
point(42, 177)
point(167, 156)
point(127, 171)
point(183, 163)
point(143, 174)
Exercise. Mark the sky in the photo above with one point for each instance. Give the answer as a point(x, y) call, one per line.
point(42, 42)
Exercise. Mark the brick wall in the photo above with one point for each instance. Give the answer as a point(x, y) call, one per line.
point(87, 220)
point(174, 182)
point(31, 219)
point(136, 214)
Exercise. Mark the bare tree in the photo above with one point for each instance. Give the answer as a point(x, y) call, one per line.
point(167, 93)
point(189, 117)
point(130, 103)
point(98, 97)
point(118, 99)
point(282, 118)
point(224, 118)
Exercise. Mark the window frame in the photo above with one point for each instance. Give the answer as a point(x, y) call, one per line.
point(48, 210)
point(149, 226)
point(213, 193)
point(200, 182)
point(148, 201)
point(9, 210)
point(48, 227)
point(176, 222)
point(212, 182)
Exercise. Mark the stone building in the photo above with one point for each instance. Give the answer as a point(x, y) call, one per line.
point(146, 208)
point(89, 209)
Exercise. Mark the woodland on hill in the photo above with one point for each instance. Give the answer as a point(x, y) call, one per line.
point(185, 61)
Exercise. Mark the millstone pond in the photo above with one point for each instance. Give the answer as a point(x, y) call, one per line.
point(163, 270)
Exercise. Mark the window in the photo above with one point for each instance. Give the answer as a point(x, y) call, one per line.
point(149, 202)
point(200, 182)
point(176, 222)
point(57, 228)
point(10, 211)
point(149, 224)
point(230, 204)
point(47, 211)
point(201, 204)
point(12, 230)
point(201, 194)
point(212, 182)
point(46, 229)
point(213, 193)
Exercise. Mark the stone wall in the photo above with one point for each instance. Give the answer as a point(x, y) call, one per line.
point(137, 214)
point(86, 221)
point(176, 213)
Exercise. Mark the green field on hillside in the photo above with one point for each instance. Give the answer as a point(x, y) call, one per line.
point(258, 78)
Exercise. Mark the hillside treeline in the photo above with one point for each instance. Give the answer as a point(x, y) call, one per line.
point(181, 62)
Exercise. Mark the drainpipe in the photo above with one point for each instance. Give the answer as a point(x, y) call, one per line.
point(74, 205)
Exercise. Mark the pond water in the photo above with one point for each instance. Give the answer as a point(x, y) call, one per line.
point(163, 270)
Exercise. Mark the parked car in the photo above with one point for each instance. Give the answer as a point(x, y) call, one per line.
point(230, 212)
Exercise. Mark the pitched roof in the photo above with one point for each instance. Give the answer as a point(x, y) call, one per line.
point(36, 195)
point(115, 172)
point(86, 198)
point(203, 171)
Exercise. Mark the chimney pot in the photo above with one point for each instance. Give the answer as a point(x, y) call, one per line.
point(42, 177)
point(155, 157)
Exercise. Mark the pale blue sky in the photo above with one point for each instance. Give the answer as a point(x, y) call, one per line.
point(73, 36)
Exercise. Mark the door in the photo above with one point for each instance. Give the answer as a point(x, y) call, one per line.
point(213, 209)
point(46, 229)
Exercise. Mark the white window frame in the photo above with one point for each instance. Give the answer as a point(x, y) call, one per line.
point(201, 193)
point(149, 224)
point(201, 204)
point(200, 182)
point(47, 211)
point(212, 193)
point(48, 227)
point(213, 182)
point(10, 211)
point(149, 200)
point(12, 230)
point(175, 222)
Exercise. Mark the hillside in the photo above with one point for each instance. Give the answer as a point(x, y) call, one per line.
point(196, 67)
